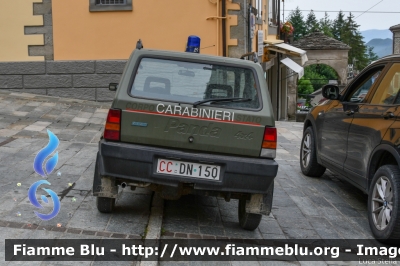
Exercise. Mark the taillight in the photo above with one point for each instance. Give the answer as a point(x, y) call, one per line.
point(113, 125)
point(269, 143)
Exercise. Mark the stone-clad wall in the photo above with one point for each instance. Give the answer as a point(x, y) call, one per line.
point(87, 80)
point(396, 37)
point(239, 32)
point(42, 9)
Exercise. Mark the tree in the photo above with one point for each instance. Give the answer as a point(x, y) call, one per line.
point(326, 25)
point(326, 71)
point(297, 20)
point(304, 87)
point(372, 56)
point(311, 23)
point(337, 26)
point(316, 76)
point(352, 37)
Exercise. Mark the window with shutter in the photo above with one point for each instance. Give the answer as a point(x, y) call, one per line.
point(110, 5)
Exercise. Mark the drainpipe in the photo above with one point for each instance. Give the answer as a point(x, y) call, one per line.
point(223, 28)
point(279, 19)
point(249, 30)
point(279, 64)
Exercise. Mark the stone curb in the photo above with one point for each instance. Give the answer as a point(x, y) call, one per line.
point(76, 231)
point(155, 224)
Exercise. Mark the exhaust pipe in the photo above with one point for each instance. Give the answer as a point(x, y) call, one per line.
point(123, 185)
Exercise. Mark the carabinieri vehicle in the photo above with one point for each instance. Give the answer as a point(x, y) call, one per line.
point(184, 123)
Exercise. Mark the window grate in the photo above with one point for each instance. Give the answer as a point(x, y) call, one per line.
point(110, 2)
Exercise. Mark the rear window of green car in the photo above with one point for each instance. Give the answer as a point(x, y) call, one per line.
point(189, 82)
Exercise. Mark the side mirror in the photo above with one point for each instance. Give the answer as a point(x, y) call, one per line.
point(113, 86)
point(331, 92)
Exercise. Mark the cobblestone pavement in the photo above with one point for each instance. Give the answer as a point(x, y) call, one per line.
point(303, 207)
point(24, 120)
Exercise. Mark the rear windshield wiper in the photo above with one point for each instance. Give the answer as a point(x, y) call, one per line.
point(237, 99)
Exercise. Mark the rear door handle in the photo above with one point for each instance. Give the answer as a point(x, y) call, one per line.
point(350, 112)
point(388, 115)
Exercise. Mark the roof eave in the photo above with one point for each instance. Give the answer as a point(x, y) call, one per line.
point(395, 27)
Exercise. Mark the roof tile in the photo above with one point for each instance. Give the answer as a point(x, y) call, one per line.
point(319, 41)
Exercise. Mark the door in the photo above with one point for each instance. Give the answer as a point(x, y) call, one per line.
point(336, 123)
point(371, 123)
point(338, 118)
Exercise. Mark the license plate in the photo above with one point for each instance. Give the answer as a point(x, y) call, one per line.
point(197, 170)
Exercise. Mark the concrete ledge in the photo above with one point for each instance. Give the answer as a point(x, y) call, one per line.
point(110, 67)
point(22, 68)
point(95, 80)
point(104, 94)
point(31, 91)
point(47, 81)
point(78, 93)
point(10, 81)
point(83, 79)
point(70, 67)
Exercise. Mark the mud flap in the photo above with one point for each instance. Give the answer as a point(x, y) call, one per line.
point(103, 186)
point(108, 189)
point(261, 203)
point(96, 176)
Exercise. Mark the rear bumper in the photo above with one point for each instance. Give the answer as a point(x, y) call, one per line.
point(139, 163)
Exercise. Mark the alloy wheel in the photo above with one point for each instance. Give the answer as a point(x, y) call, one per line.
point(306, 150)
point(382, 203)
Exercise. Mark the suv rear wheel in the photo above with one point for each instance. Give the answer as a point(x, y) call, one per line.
point(308, 155)
point(384, 203)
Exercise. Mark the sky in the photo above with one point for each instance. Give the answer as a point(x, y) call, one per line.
point(367, 21)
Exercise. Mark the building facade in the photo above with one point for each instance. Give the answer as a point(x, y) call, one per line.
point(396, 38)
point(75, 48)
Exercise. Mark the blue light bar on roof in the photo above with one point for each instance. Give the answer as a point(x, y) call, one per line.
point(193, 44)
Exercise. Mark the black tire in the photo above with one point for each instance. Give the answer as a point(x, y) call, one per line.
point(105, 205)
point(385, 228)
point(248, 221)
point(308, 155)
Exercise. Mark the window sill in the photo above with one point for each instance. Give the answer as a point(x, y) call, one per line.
point(109, 8)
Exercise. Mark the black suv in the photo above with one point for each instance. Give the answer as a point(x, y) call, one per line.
point(356, 134)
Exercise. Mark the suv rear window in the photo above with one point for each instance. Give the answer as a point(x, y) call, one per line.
point(189, 82)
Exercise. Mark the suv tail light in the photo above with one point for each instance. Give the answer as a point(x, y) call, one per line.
point(268, 148)
point(113, 125)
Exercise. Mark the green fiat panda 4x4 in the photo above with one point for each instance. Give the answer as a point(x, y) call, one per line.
point(184, 123)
